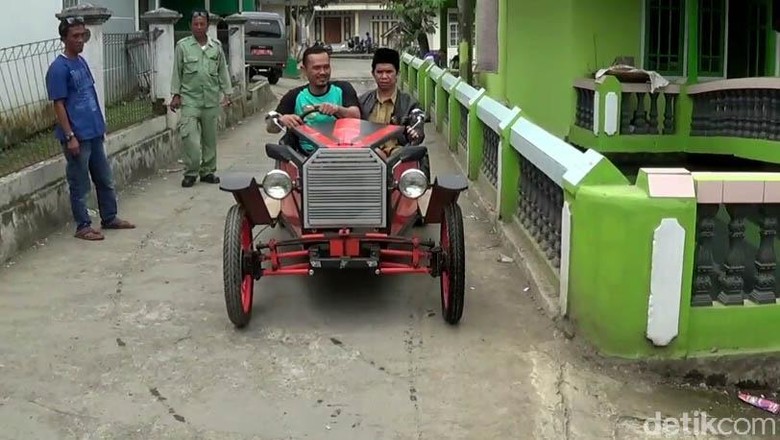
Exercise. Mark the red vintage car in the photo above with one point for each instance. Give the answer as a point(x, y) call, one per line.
point(347, 208)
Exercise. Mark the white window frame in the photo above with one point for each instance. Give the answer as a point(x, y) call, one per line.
point(686, 48)
point(685, 40)
point(450, 24)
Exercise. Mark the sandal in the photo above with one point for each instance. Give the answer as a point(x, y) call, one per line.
point(119, 224)
point(89, 234)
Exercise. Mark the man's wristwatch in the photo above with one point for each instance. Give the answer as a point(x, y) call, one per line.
point(69, 136)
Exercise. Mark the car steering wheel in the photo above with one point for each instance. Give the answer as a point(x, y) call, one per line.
point(315, 109)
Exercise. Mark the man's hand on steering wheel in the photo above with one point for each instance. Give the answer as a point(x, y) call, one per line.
point(290, 121)
point(330, 109)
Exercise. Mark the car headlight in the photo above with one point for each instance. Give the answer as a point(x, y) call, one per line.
point(413, 183)
point(277, 184)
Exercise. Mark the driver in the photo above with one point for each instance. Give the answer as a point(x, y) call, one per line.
point(334, 98)
point(388, 105)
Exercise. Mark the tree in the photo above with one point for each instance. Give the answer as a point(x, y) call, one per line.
point(416, 21)
point(305, 15)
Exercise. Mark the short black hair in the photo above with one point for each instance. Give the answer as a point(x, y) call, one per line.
point(200, 12)
point(68, 22)
point(313, 50)
point(385, 55)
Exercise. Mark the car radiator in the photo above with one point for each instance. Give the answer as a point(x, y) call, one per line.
point(344, 187)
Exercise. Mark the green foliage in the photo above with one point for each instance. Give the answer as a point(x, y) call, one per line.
point(416, 19)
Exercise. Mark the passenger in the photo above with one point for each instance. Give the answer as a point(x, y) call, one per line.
point(388, 105)
point(333, 98)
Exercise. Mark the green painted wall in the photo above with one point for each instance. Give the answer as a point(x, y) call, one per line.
point(230, 7)
point(495, 83)
point(604, 30)
point(539, 61)
point(612, 237)
point(549, 45)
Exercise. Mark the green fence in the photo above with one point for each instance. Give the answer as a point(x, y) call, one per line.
point(676, 265)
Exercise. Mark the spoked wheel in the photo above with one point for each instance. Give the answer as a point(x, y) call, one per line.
point(453, 273)
point(239, 287)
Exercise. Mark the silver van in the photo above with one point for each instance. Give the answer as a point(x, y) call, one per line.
point(265, 44)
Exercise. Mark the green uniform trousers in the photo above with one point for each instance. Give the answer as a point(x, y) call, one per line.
point(198, 129)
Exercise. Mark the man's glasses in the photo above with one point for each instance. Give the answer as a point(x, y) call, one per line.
point(74, 20)
point(200, 14)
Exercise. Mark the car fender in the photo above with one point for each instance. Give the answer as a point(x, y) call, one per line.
point(248, 195)
point(445, 190)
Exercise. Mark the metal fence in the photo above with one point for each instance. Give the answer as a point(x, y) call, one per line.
point(26, 115)
point(128, 70)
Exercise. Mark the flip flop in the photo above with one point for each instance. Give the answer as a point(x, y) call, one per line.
point(89, 234)
point(119, 224)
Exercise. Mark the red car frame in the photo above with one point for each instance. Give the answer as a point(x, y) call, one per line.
point(346, 207)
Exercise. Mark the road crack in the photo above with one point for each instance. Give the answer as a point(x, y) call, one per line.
point(60, 411)
point(560, 383)
point(413, 342)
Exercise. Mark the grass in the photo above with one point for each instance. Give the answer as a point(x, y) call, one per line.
point(42, 145)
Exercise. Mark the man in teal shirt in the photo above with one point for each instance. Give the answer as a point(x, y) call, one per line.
point(200, 76)
point(334, 98)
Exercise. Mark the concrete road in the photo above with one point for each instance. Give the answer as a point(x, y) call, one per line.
point(129, 339)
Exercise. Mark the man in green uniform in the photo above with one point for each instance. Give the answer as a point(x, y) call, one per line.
point(200, 75)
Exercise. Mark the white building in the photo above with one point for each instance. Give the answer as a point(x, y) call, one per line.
point(33, 20)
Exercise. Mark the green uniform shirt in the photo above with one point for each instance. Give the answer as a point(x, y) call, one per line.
point(199, 75)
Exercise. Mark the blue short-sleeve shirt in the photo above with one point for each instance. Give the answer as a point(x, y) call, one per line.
point(71, 80)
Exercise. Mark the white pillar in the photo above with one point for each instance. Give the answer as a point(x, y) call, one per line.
point(161, 22)
point(213, 22)
point(94, 18)
point(237, 61)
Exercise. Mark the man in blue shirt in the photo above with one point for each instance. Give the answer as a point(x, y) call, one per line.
point(81, 130)
point(335, 98)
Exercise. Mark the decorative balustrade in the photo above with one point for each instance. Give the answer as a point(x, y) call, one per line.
point(489, 165)
point(736, 229)
point(463, 136)
point(641, 111)
point(646, 112)
point(742, 108)
point(586, 98)
point(448, 84)
point(539, 205)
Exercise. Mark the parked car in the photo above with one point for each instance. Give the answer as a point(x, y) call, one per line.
point(266, 45)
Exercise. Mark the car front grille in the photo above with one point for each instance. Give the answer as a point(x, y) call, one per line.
point(344, 187)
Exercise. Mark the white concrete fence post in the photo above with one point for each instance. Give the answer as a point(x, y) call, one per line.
point(94, 19)
point(162, 43)
point(237, 61)
point(214, 20)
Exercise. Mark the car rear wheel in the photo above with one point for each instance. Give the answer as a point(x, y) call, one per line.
point(239, 287)
point(273, 76)
point(453, 272)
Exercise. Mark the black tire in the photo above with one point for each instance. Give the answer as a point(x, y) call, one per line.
point(239, 288)
point(453, 276)
point(273, 76)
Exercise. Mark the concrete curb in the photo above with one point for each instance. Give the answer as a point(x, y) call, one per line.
point(35, 202)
